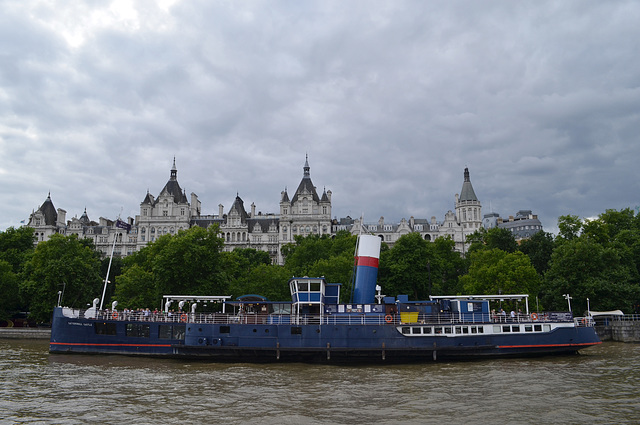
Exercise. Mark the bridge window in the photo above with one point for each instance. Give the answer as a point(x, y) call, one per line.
point(137, 330)
point(171, 331)
point(105, 328)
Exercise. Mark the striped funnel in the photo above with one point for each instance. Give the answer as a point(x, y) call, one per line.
point(367, 256)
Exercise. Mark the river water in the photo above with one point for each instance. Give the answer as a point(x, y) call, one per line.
point(599, 386)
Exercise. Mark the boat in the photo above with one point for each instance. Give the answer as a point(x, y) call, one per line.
point(315, 327)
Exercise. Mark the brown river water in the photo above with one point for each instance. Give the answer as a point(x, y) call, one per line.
point(599, 386)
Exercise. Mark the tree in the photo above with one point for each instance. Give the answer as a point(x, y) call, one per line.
point(569, 227)
point(585, 269)
point(404, 269)
point(189, 262)
point(267, 280)
point(301, 256)
point(495, 271)
point(447, 269)
point(16, 245)
point(539, 249)
point(63, 263)
point(493, 238)
point(9, 288)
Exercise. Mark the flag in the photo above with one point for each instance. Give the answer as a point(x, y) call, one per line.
point(122, 225)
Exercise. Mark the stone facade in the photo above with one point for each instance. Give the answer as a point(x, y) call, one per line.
point(456, 226)
point(522, 226)
point(304, 213)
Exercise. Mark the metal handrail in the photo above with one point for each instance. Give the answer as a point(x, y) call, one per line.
point(334, 319)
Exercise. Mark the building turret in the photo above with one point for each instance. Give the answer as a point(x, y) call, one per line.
point(468, 209)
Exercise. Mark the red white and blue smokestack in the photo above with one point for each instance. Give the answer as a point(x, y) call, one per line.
point(367, 257)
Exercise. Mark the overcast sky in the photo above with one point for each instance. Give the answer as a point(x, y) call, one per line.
point(391, 100)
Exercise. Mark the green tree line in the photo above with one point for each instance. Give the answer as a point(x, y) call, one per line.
point(598, 259)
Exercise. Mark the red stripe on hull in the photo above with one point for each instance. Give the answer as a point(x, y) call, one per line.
point(367, 261)
point(549, 345)
point(110, 345)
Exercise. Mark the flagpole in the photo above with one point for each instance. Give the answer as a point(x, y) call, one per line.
point(106, 278)
point(113, 247)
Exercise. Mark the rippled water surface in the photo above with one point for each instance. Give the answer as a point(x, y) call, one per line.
point(599, 386)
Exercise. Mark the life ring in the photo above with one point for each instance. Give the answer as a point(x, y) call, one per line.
point(388, 318)
point(534, 316)
point(114, 315)
point(183, 318)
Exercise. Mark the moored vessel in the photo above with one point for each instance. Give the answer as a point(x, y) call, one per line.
point(315, 327)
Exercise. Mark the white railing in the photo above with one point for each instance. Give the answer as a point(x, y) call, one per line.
point(335, 319)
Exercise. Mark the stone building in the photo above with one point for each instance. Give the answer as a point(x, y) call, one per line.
point(524, 225)
point(457, 226)
point(304, 213)
point(47, 221)
point(169, 213)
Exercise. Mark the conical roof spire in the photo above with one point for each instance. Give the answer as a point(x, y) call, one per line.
point(306, 166)
point(174, 170)
point(306, 185)
point(467, 193)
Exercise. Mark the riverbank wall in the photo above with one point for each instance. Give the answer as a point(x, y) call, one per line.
point(626, 329)
point(25, 333)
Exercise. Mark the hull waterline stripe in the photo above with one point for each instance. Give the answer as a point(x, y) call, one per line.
point(549, 345)
point(109, 345)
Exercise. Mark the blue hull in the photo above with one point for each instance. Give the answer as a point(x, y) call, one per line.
point(382, 342)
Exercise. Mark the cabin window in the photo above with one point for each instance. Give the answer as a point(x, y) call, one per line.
point(105, 328)
point(416, 331)
point(547, 328)
point(465, 330)
point(426, 330)
point(437, 330)
point(480, 330)
point(515, 328)
point(474, 330)
point(406, 330)
point(537, 328)
point(506, 328)
point(458, 330)
point(171, 331)
point(448, 330)
point(528, 328)
point(296, 330)
point(475, 307)
point(137, 330)
point(225, 329)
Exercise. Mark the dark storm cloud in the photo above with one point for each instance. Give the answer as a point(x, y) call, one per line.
point(391, 100)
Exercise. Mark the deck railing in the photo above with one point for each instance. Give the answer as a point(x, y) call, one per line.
point(335, 319)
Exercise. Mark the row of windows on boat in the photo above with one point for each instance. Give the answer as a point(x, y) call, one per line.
point(141, 330)
point(462, 330)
